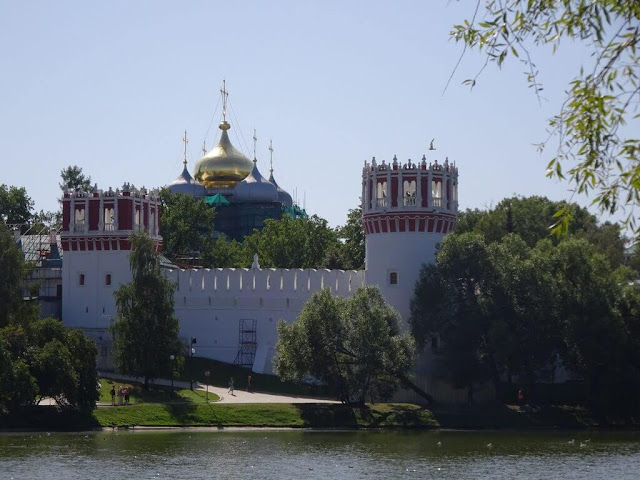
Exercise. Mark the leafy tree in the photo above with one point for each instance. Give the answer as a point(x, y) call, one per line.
point(292, 243)
point(225, 253)
point(601, 155)
point(18, 388)
point(146, 330)
point(530, 217)
point(186, 225)
point(353, 250)
point(505, 309)
point(12, 274)
point(353, 345)
point(453, 300)
point(74, 179)
point(84, 393)
point(15, 204)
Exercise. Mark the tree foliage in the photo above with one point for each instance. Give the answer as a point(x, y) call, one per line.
point(351, 251)
point(74, 179)
point(353, 345)
point(504, 309)
point(186, 225)
point(146, 330)
point(595, 152)
point(530, 217)
point(15, 205)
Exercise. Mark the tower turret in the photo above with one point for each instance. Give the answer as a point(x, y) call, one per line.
point(407, 209)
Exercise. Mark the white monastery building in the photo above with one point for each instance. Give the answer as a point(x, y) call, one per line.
point(233, 312)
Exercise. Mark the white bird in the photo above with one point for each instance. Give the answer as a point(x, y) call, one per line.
point(439, 443)
point(489, 445)
point(571, 442)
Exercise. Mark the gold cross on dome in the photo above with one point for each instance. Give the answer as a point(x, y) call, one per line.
point(225, 95)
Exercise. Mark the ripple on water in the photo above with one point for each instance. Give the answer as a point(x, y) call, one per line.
point(304, 455)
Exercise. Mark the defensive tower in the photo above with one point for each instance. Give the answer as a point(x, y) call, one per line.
point(96, 227)
point(407, 209)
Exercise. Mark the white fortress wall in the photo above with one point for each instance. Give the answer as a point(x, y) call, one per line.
point(210, 304)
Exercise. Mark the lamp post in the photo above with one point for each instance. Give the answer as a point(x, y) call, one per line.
point(191, 352)
point(172, 357)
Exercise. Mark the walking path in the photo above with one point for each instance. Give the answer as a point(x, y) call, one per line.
point(239, 396)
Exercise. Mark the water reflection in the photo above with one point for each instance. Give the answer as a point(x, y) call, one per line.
point(311, 454)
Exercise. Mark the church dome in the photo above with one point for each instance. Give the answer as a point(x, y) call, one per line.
point(255, 189)
point(186, 185)
point(223, 166)
point(283, 196)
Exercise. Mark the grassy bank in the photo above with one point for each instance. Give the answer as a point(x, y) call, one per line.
point(155, 393)
point(387, 415)
point(269, 415)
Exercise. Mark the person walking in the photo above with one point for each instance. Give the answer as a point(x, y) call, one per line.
point(249, 383)
point(231, 386)
point(113, 394)
point(120, 394)
point(126, 396)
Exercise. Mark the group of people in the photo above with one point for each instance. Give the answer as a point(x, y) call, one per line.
point(122, 393)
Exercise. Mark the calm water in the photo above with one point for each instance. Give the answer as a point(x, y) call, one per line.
point(305, 455)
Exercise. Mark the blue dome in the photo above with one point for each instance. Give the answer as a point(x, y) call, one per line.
point(283, 196)
point(187, 185)
point(255, 189)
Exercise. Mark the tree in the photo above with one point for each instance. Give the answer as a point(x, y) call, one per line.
point(504, 310)
point(15, 205)
point(292, 243)
point(530, 217)
point(353, 345)
point(73, 179)
point(224, 253)
point(353, 249)
point(453, 300)
point(186, 225)
point(593, 142)
point(12, 274)
point(146, 330)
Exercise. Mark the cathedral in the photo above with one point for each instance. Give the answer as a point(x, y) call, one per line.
point(228, 180)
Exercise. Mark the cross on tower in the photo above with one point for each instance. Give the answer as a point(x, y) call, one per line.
point(225, 94)
point(271, 154)
point(255, 141)
point(185, 140)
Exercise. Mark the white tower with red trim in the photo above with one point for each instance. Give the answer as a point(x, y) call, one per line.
point(407, 209)
point(96, 227)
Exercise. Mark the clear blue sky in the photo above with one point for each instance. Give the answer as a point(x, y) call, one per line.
point(111, 86)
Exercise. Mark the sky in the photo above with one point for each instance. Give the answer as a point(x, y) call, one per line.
point(111, 87)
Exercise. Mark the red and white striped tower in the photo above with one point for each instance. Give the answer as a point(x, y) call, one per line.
point(407, 209)
point(96, 227)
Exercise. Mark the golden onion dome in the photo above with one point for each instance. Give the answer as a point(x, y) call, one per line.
point(223, 166)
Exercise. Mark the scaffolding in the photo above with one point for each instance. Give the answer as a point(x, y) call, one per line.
point(247, 343)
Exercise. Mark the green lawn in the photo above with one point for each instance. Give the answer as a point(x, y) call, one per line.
point(268, 415)
point(155, 393)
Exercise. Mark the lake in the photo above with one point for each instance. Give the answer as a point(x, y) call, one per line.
point(298, 454)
